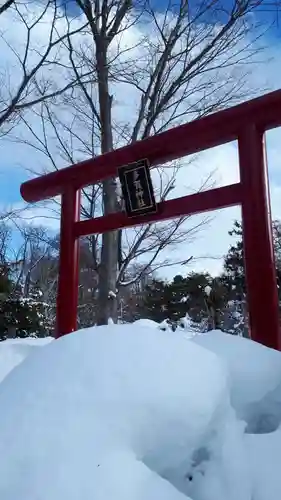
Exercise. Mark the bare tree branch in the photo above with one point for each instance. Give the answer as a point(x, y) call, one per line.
point(149, 71)
point(6, 6)
point(25, 93)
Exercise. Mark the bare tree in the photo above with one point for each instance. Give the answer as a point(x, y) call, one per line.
point(35, 270)
point(27, 79)
point(6, 6)
point(5, 239)
point(177, 65)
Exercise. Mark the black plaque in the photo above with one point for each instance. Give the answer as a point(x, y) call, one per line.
point(137, 189)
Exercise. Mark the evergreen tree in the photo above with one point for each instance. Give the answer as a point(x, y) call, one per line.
point(277, 251)
point(235, 315)
point(204, 301)
point(5, 282)
point(178, 298)
point(20, 316)
point(185, 296)
point(234, 270)
point(155, 303)
point(195, 286)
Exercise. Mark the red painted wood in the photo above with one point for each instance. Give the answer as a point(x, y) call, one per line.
point(171, 209)
point(67, 298)
point(246, 122)
point(257, 238)
point(207, 132)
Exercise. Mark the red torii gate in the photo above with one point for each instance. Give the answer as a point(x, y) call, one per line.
point(247, 123)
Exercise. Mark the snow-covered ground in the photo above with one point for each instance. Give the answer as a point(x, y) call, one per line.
point(130, 412)
point(14, 351)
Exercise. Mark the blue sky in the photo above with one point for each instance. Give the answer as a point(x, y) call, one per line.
point(267, 12)
point(15, 158)
point(10, 180)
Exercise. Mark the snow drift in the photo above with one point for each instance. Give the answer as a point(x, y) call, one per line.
point(14, 351)
point(134, 413)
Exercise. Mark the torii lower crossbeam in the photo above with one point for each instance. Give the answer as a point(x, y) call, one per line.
point(246, 123)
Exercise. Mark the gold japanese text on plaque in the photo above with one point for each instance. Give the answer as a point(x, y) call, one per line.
point(137, 189)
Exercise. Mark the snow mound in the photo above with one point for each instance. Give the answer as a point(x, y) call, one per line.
point(264, 453)
point(14, 351)
point(148, 323)
point(134, 413)
point(254, 377)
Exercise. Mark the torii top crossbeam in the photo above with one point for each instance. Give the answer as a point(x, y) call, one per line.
point(245, 123)
point(204, 133)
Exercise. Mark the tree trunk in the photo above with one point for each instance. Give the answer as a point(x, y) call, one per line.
point(107, 304)
point(12, 332)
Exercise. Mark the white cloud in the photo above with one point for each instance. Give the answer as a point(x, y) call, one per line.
point(20, 43)
point(221, 161)
point(46, 214)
